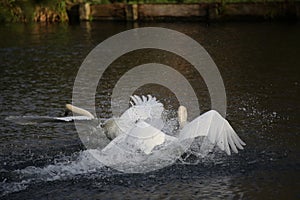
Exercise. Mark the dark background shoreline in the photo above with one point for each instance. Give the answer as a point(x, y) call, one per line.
point(74, 11)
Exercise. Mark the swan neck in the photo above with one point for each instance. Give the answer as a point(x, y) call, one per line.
point(182, 116)
point(79, 111)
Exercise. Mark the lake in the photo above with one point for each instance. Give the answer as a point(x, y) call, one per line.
point(260, 67)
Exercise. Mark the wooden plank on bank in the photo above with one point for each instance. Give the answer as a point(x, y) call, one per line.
point(114, 11)
point(152, 11)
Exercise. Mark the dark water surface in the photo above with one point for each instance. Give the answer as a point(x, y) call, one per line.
point(260, 66)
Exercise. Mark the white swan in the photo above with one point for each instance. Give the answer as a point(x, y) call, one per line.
point(135, 132)
point(140, 127)
point(138, 143)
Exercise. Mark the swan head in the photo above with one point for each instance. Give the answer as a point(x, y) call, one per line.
point(111, 129)
point(182, 116)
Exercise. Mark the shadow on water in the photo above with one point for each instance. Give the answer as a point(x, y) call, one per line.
point(260, 67)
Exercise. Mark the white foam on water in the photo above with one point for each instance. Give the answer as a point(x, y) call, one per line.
point(82, 163)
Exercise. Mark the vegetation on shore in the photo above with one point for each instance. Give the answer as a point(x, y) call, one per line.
point(33, 10)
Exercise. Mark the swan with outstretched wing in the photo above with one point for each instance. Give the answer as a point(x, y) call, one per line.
point(138, 143)
point(140, 126)
point(144, 137)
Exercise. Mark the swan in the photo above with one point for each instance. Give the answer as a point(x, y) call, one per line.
point(137, 142)
point(140, 127)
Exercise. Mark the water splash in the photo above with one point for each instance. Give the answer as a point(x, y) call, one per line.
point(82, 163)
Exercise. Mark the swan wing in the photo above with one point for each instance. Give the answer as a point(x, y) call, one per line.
point(217, 129)
point(143, 108)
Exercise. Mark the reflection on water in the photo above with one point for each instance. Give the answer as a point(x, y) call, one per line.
point(260, 67)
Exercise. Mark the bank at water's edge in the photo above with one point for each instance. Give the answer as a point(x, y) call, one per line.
point(72, 11)
point(191, 12)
